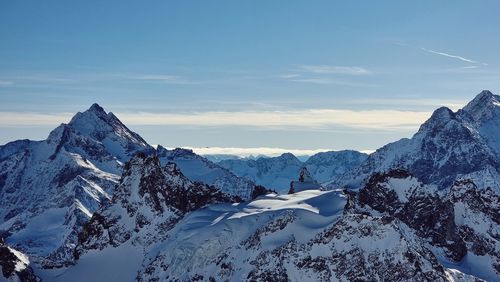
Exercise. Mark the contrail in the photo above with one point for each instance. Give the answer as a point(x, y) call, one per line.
point(453, 56)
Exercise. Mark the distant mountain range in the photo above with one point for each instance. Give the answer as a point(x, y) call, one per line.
point(277, 172)
point(95, 202)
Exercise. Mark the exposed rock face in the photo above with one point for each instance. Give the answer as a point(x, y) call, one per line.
point(14, 265)
point(147, 203)
point(444, 183)
point(462, 222)
point(306, 182)
point(348, 251)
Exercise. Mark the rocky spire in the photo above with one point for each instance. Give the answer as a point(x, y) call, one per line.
point(306, 182)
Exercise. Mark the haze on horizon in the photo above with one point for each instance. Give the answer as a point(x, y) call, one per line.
point(234, 74)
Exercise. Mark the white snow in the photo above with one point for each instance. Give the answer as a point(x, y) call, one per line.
point(23, 260)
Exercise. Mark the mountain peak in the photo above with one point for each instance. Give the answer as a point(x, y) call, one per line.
point(482, 106)
point(96, 108)
point(485, 93)
point(443, 113)
point(483, 99)
point(95, 114)
point(438, 118)
point(288, 156)
point(95, 121)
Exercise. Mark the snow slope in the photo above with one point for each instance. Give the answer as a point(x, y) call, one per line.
point(146, 205)
point(306, 236)
point(197, 168)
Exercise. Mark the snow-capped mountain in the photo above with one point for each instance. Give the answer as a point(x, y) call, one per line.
point(277, 172)
point(50, 188)
point(149, 201)
point(299, 237)
point(419, 209)
point(273, 173)
point(198, 168)
point(460, 226)
point(443, 183)
point(306, 236)
point(447, 147)
point(325, 166)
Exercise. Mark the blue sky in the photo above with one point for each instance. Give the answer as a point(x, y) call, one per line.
point(283, 74)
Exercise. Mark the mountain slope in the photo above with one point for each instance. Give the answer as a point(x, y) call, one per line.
point(149, 201)
point(325, 166)
point(305, 236)
point(50, 188)
point(277, 172)
point(461, 226)
point(443, 183)
point(420, 209)
point(447, 147)
point(197, 168)
point(273, 173)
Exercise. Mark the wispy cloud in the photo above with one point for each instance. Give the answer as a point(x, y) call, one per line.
point(468, 67)
point(37, 78)
point(30, 118)
point(410, 103)
point(168, 79)
point(463, 59)
point(329, 69)
point(5, 83)
point(291, 75)
point(389, 120)
point(331, 81)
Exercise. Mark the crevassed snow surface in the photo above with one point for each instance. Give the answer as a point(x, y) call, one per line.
point(205, 233)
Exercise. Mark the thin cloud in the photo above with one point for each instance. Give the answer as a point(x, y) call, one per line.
point(35, 78)
point(308, 119)
point(468, 67)
point(168, 79)
point(29, 118)
point(328, 69)
point(289, 75)
point(452, 56)
point(5, 83)
point(408, 102)
point(331, 81)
